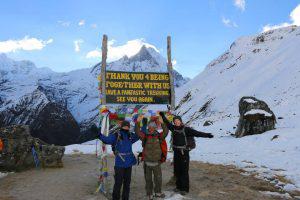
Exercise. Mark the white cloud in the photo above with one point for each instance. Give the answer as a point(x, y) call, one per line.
point(64, 23)
point(174, 64)
point(269, 27)
point(294, 20)
point(81, 22)
point(26, 44)
point(77, 44)
point(94, 25)
point(227, 22)
point(94, 54)
point(295, 16)
point(240, 4)
point(131, 48)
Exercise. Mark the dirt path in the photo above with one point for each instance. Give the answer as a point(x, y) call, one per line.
point(78, 180)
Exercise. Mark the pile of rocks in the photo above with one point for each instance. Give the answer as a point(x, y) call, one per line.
point(18, 147)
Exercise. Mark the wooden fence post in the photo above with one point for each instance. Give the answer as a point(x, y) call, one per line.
point(103, 69)
point(170, 70)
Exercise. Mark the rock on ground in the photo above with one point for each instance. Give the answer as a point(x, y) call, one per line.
point(255, 117)
point(17, 152)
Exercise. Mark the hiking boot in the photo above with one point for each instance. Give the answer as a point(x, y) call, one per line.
point(183, 193)
point(176, 190)
point(150, 197)
point(159, 195)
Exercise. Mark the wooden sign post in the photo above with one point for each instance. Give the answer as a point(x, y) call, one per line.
point(103, 69)
point(170, 70)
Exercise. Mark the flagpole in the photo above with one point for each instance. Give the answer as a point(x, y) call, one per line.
point(170, 70)
point(103, 69)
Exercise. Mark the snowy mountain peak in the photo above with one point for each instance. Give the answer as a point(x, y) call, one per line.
point(142, 55)
point(262, 44)
point(147, 59)
point(125, 57)
point(16, 67)
point(2, 56)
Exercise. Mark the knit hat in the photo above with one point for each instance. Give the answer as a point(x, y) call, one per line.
point(177, 117)
point(125, 123)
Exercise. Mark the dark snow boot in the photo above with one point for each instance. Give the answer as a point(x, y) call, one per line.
point(159, 195)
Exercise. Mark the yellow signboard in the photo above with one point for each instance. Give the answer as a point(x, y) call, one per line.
point(137, 87)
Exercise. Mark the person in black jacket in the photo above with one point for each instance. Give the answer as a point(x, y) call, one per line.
point(181, 150)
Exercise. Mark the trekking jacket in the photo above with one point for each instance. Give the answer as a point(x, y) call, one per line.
point(152, 151)
point(179, 139)
point(123, 147)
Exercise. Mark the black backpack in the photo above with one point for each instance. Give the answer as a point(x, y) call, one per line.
point(113, 146)
point(190, 142)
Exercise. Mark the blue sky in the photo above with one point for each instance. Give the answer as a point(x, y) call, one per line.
point(46, 32)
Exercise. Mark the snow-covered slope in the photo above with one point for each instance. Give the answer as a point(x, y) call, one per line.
point(266, 66)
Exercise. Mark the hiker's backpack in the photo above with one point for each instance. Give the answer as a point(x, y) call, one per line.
point(190, 142)
point(1, 145)
point(163, 146)
point(113, 146)
point(119, 138)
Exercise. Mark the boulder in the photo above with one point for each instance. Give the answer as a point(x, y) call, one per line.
point(18, 147)
point(207, 123)
point(255, 117)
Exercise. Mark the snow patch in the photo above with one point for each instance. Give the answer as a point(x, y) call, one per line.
point(250, 101)
point(174, 196)
point(3, 174)
point(88, 148)
point(268, 193)
point(258, 111)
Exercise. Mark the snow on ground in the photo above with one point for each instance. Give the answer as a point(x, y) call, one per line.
point(285, 195)
point(272, 155)
point(85, 148)
point(173, 196)
point(257, 111)
point(3, 174)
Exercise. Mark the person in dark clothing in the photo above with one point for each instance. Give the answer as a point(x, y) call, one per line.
point(181, 150)
point(124, 159)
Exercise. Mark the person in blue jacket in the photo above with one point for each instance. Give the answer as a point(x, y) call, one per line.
point(122, 141)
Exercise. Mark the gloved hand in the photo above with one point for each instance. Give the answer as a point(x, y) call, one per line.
point(140, 117)
point(161, 113)
point(94, 128)
point(145, 121)
point(210, 135)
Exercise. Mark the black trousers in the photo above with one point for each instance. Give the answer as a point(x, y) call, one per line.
point(181, 169)
point(122, 177)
